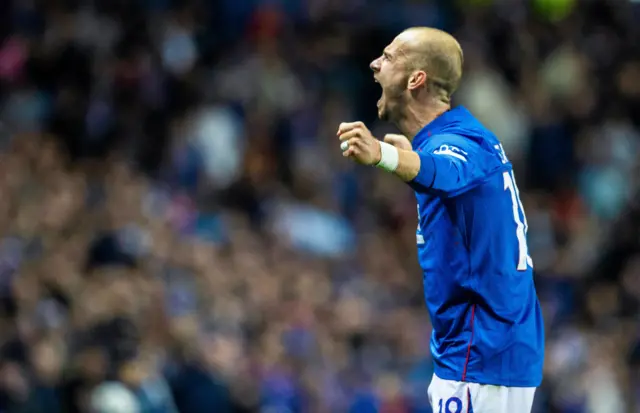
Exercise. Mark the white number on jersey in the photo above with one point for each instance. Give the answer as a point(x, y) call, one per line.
point(419, 236)
point(524, 259)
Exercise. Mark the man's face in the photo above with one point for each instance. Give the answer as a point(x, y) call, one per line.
point(389, 70)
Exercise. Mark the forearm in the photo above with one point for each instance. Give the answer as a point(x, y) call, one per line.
point(411, 167)
point(409, 163)
point(416, 169)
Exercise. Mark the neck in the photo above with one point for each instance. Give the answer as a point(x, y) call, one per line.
point(417, 117)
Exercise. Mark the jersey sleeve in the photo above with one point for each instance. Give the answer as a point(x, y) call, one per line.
point(449, 165)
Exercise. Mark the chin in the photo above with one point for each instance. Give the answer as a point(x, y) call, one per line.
point(385, 112)
point(382, 112)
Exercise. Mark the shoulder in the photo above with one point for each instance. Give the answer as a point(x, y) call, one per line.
point(451, 145)
point(486, 154)
point(436, 141)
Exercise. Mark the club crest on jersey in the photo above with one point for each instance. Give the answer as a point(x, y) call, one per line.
point(451, 151)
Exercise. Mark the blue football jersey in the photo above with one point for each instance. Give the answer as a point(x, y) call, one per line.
point(472, 247)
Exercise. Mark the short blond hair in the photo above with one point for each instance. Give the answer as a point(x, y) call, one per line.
point(439, 55)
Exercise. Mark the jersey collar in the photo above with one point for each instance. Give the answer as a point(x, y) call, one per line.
point(447, 119)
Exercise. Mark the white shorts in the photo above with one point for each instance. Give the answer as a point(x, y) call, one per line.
point(447, 396)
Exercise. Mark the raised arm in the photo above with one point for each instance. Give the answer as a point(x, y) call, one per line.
point(446, 169)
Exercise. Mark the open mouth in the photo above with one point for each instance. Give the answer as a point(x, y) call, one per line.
point(382, 93)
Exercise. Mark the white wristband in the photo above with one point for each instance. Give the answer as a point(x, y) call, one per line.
point(389, 158)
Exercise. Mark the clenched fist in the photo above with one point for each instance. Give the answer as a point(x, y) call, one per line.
point(359, 144)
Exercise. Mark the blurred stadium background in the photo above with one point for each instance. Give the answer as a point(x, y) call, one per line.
point(179, 233)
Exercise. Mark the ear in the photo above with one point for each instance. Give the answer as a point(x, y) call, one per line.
point(416, 80)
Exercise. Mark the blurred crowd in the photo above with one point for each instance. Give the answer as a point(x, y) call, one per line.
point(180, 234)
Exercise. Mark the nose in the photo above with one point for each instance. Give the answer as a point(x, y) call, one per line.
point(375, 65)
